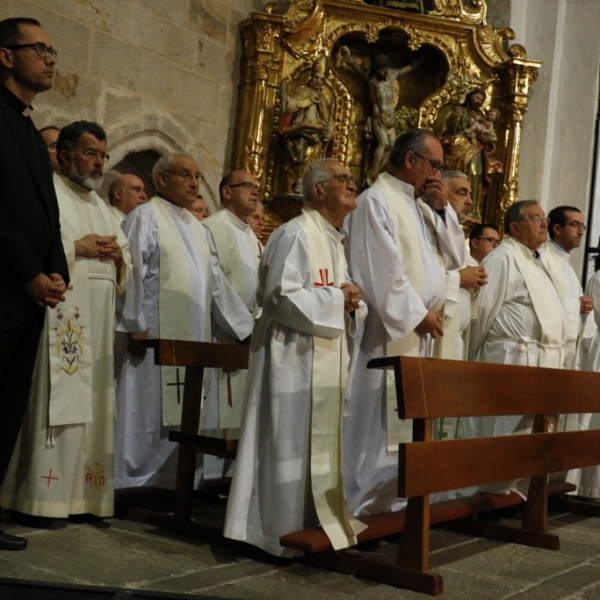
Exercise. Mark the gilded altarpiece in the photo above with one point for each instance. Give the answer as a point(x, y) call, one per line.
point(307, 91)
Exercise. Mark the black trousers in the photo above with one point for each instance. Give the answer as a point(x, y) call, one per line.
point(18, 349)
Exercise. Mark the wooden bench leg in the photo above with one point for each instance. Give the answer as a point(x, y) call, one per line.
point(184, 486)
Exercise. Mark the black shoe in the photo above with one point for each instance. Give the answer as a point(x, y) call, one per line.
point(89, 519)
point(30, 520)
point(11, 542)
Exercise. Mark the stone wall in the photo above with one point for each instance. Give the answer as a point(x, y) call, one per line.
point(157, 74)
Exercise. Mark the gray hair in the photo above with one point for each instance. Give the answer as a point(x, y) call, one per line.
point(164, 163)
point(411, 141)
point(260, 205)
point(516, 213)
point(452, 174)
point(315, 172)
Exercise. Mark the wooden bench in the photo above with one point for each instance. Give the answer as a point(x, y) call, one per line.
point(195, 357)
point(433, 388)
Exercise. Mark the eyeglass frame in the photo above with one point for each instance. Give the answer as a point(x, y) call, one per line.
point(435, 164)
point(39, 49)
point(246, 185)
point(186, 175)
point(93, 154)
point(490, 240)
point(537, 220)
point(342, 178)
point(577, 225)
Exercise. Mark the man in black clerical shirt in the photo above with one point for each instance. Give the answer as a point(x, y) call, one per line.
point(34, 267)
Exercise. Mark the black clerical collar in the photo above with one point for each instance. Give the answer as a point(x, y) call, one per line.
point(536, 254)
point(14, 101)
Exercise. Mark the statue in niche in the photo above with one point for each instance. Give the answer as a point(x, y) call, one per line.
point(383, 123)
point(469, 142)
point(306, 126)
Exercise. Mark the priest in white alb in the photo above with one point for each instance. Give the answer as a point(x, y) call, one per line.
point(462, 286)
point(175, 288)
point(125, 192)
point(288, 473)
point(239, 251)
point(398, 249)
point(64, 461)
point(566, 229)
point(520, 317)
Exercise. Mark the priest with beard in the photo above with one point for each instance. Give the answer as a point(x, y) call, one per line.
point(63, 463)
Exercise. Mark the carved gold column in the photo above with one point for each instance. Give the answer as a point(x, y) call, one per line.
point(261, 66)
point(521, 74)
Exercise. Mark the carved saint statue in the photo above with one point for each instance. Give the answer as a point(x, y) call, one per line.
point(383, 123)
point(306, 124)
point(469, 143)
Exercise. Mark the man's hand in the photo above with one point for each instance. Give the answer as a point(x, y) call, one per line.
point(436, 192)
point(587, 305)
point(45, 290)
point(133, 343)
point(352, 296)
point(432, 324)
point(103, 247)
point(473, 277)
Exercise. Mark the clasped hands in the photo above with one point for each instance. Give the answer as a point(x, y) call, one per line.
point(352, 296)
point(46, 290)
point(103, 247)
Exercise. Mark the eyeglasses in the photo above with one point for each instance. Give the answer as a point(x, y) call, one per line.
point(435, 164)
point(577, 225)
point(538, 220)
point(247, 185)
point(187, 176)
point(343, 178)
point(493, 241)
point(40, 49)
point(94, 155)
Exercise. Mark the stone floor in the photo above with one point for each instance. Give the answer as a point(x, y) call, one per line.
point(135, 555)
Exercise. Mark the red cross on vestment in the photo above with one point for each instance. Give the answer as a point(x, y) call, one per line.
point(324, 274)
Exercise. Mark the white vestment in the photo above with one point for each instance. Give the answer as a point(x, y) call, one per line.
point(238, 251)
point(117, 214)
point(280, 457)
point(461, 304)
point(63, 463)
point(143, 453)
point(557, 263)
point(588, 479)
point(520, 321)
point(372, 249)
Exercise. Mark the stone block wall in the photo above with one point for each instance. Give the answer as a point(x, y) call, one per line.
point(156, 74)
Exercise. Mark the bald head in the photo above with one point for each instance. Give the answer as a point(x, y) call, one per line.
point(126, 192)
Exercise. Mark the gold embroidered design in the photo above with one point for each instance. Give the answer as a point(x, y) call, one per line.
point(68, 333)
point(95, 477)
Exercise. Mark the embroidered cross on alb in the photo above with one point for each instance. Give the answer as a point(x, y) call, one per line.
point(324, 274)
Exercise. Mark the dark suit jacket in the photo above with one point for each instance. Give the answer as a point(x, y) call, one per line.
point(30, 240)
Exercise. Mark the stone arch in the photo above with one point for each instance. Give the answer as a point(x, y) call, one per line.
point(148, 134)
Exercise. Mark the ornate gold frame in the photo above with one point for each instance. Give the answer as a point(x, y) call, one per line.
point(278, 47)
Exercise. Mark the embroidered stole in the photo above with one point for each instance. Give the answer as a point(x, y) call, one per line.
point(175, 303)
point(329, 372)
point(69, 325)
